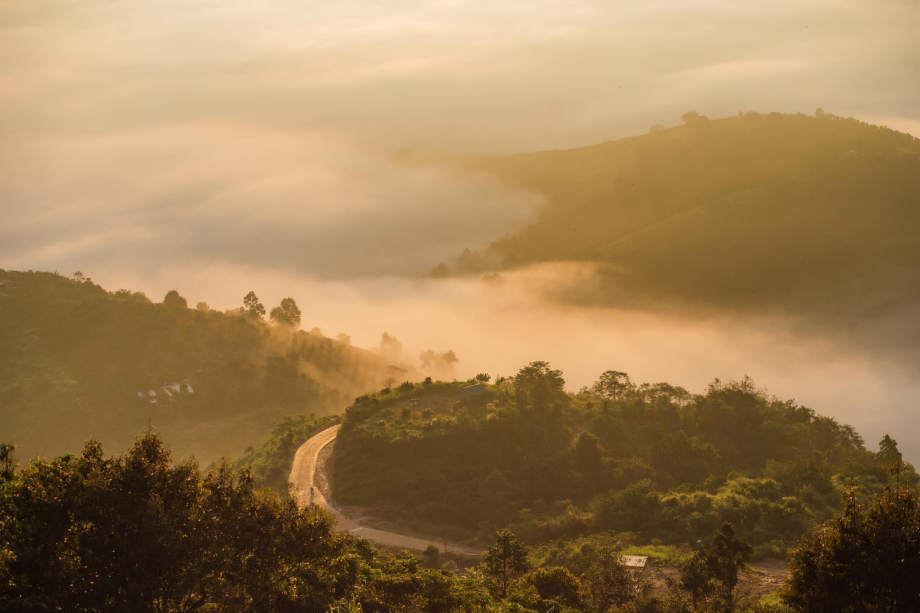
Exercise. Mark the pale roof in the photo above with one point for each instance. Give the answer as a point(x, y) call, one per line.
point(634, 561)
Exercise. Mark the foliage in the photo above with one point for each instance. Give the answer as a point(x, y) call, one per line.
point(865, 559)
point(138, 533)
point(658, 463)
point(270, 463)
point(607, 583)
point(75, 358)
point(687, 213)
point(536, 385)
point(287, 313)
point(712, 572)
point(252, 307)
point(556, 583)
point(505, 561)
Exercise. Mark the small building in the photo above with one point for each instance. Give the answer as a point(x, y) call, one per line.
point(473, 391)
point(634, 562)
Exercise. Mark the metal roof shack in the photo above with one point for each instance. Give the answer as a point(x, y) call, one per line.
point(634, 561)
point(477, 389)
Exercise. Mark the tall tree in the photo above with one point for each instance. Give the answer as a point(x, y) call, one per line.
point(287, 313)
point(607, 583)
point(713, 570)
point(252, 307)
point(505, 561)
point(612, 384)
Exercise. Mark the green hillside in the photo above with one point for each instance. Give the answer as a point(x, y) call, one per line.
point(75, 356)
point(643, 464)
point(810, 214)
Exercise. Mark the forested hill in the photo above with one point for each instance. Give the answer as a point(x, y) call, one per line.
point(73, 358)
point(640, 464)
point(752, 211)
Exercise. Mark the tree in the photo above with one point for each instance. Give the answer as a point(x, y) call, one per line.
point(79, 277)
point(612, 384)
point(607, 582)
point(287, 313)
point(173, 300)
point(7, 462)
point(586, 454)
point(866, 559)
point(556, 583)
point(203, 306)
point(483, 377)
point(505, 561)
point(536, 384)
point(252, 307)
point(692, 117)
point(713, 570)
point(432, 557)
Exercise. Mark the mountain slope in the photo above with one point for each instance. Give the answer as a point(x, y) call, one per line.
point(811, 215)
point(74, 358)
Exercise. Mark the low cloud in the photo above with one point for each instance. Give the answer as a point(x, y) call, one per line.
point(214, 193)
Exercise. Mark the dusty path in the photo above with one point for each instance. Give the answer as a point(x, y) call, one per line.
point(302, 476)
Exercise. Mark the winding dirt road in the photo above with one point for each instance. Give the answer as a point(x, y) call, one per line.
point(302, 476)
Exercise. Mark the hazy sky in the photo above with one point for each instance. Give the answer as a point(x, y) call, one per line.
point(217, 146)
point(474, 75)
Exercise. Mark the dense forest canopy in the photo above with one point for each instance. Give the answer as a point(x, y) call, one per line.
point(75, 357)
point(647, 462)
point(139, 532)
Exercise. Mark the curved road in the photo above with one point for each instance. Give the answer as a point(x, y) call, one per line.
point(302, 473)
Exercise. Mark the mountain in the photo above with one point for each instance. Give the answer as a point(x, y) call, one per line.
point(811, 216)
point(78, 361)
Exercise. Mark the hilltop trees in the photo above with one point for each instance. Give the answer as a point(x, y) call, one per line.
point(612, 384)
point(252, 307)
point(173, 300)
point(287, 313)
point(536, 384)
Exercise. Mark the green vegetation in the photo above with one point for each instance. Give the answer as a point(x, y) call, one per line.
point(618, 463)
point(748, 212)
point(270, 463)
point(140, 533)
point(74, 358)
point(136, 533)
point(866, 559)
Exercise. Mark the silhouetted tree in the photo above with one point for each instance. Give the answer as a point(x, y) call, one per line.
point(536, 384)
point(612, 384)
point(174, 301)
point(252, 307)
point(286, 313)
